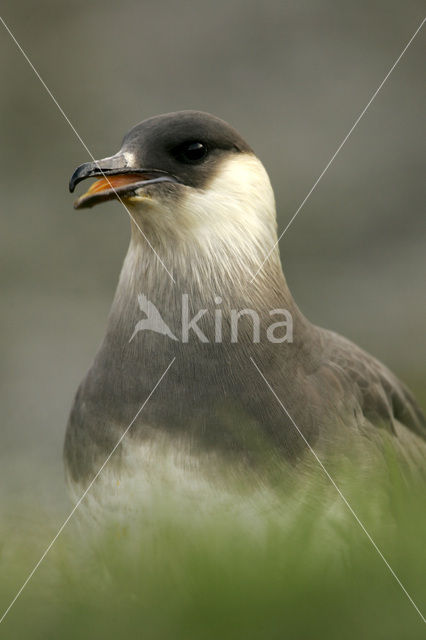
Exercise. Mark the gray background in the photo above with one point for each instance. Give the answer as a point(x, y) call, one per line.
point(292, 77)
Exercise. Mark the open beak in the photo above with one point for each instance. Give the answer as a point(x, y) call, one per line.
point(118, 180)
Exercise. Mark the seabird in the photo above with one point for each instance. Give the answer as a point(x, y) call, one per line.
point(202, 215)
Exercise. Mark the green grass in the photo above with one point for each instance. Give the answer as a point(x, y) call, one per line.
point(288, 563)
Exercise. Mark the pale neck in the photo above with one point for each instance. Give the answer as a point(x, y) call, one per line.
point(150, 265)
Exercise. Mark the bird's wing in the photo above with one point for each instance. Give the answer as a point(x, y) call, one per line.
point(384, 400)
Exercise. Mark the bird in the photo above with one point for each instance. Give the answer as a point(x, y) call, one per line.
point(202, 219)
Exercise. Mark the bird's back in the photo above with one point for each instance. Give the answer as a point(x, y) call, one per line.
point(378, 400)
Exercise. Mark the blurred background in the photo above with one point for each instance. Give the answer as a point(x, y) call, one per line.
point(291, 77)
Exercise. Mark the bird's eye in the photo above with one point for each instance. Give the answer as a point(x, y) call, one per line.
point(192, 152)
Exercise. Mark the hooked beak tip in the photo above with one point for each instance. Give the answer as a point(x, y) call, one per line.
point(112, 164)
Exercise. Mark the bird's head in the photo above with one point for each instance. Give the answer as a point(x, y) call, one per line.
point(186, 176)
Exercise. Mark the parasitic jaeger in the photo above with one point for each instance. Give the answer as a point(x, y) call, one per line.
point(203, 210)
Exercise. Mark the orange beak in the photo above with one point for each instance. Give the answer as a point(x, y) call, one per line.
point(118, 181)
point(112, 182)
point(110, 187)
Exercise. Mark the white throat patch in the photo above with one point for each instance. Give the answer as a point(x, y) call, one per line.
point(236, 210)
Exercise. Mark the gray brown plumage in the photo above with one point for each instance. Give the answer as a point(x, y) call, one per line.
point(210, 218)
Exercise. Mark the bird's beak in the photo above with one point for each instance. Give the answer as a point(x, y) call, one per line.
point(119, 180)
